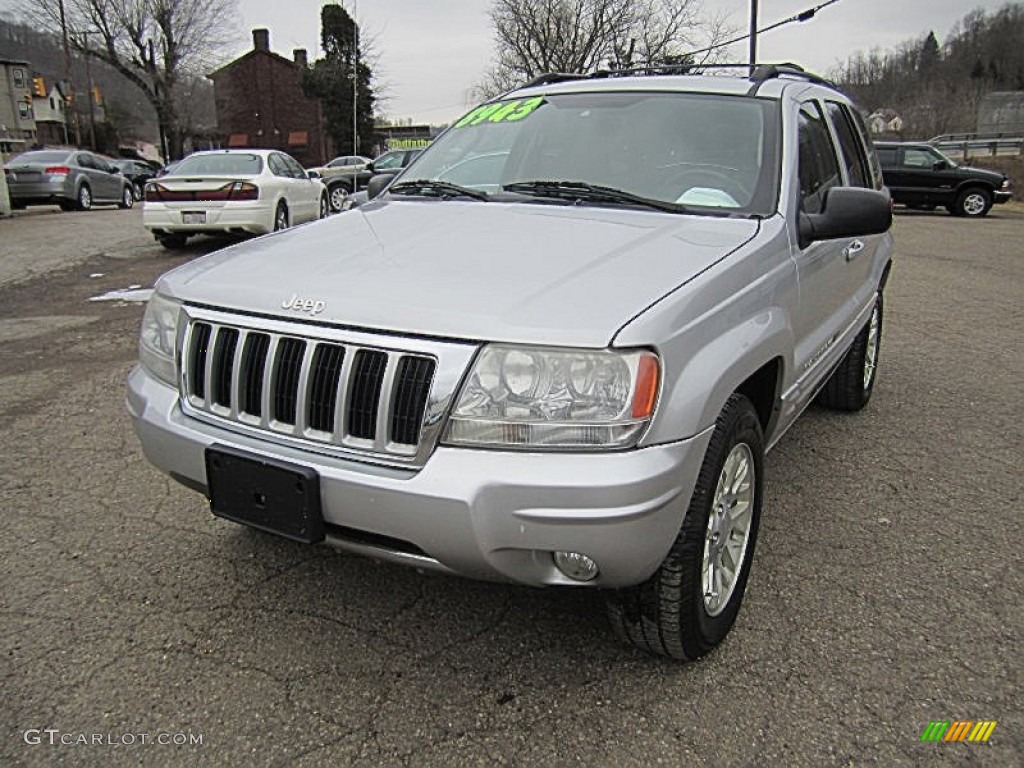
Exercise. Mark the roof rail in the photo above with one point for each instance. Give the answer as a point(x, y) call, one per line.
point(764, 72)
point(552, 77)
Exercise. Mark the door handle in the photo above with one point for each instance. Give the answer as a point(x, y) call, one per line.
point(851, 251)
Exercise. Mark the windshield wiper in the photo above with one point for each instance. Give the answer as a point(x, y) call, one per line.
point(582, 190)
point(443, 188)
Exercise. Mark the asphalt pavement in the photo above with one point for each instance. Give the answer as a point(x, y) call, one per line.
point(885, 592)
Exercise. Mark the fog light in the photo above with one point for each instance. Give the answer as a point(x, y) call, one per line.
point(576, 566)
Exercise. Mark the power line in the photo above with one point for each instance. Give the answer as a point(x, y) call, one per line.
point(806, 15)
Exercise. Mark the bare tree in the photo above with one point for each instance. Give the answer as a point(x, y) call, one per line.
point(538, 36)
point(153, 43)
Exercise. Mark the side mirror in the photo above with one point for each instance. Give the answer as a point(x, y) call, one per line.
point(313, 175)
point(941, 165)
point(369, 167)
point(378, 184)
point(847, 212)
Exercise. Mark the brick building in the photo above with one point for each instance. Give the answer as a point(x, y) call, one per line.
point(260, 104)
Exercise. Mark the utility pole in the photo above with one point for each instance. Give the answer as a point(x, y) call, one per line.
point(69, 97)
point(355, 77)
point(92, 95)
point(753, 35)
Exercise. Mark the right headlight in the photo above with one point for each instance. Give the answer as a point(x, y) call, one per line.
point(157, 338)
point(532, 398)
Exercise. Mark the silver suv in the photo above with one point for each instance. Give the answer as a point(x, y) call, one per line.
point(553, 352)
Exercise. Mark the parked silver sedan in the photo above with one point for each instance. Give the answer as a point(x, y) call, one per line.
point(72, 179)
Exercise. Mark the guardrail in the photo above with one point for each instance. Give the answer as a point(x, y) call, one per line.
point(979, 144)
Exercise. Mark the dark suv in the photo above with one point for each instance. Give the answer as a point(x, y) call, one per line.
point(921, 177)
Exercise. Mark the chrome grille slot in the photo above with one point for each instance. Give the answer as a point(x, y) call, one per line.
point(200, 342)
point(287, 372)
point(323, 386)
point(410, 399)
point(364, 393)
point(223, 366)
point(254, 363)
point(381, 399)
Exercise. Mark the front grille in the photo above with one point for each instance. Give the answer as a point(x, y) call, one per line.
point(322, 391)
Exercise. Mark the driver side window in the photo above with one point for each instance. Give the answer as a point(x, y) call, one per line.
point(818, 167)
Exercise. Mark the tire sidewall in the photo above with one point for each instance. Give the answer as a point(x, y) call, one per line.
point(281, 207)
point(962, 200)
point(745, 429)
point(127, 197)
point(84, 198)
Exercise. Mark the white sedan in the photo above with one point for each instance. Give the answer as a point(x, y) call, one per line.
point(234, 191)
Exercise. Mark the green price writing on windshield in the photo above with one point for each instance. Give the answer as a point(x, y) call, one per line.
point(501, 112)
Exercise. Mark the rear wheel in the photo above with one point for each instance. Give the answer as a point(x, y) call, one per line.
point(325, 208)
point(337, 195)
point(84, 199)
point(690, 603)
point(851, 384)
point(974, 202)
point(281, 217)
point(173, 242)
point(137, 191)
point(127, 198)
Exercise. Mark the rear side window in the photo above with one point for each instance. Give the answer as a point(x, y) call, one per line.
point(887, 156)
point(819, 170)
point(873, 160)
point(849, 146)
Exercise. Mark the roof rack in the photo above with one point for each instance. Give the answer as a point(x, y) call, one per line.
point(759, 73)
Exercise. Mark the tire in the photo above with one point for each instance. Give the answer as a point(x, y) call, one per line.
point(127, 198)
point(137, 191)
point(671, 614)
point(281, 217)
point(850, 386)
point(336, 196)
point(973, 202)
point(173, 242)
point(84, 199)
point(325, 208)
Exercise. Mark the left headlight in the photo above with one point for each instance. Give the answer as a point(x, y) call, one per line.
point(157, 338)
point(533, 398)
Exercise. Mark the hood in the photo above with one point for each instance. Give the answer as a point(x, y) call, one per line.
point(542, 274)
point(970, 172)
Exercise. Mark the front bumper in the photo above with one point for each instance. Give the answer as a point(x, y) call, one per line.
point(496, 515)
point(256, 218)
point(1002, 196)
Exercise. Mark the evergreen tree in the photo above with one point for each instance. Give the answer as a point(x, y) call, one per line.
point(329, 80)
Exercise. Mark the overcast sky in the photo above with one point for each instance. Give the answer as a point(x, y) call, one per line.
point(433, 51)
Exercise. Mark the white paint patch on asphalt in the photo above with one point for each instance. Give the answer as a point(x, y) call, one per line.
point(133, 294)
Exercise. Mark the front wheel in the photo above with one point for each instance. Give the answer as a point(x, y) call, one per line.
point(690, 603)
point(137, 191)
point(127, 198)
point(324, 207)
point(850, 386)
point(974, 203)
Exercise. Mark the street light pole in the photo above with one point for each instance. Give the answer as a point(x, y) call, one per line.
point(753, 35)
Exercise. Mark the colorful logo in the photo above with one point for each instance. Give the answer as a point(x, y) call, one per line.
point(958, 730)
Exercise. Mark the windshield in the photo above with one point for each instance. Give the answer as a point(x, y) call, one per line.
point(241, 164)
point(40, 157)
point(694, 150)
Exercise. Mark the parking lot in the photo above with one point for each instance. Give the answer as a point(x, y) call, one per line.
point(885, 592)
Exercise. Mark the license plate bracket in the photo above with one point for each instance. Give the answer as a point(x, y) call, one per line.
point(193, 217)
point(273, 496)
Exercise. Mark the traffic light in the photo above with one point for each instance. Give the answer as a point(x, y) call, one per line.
point(39, 87)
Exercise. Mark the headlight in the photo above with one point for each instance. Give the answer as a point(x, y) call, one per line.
point(530, 398)
point(156, 341)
